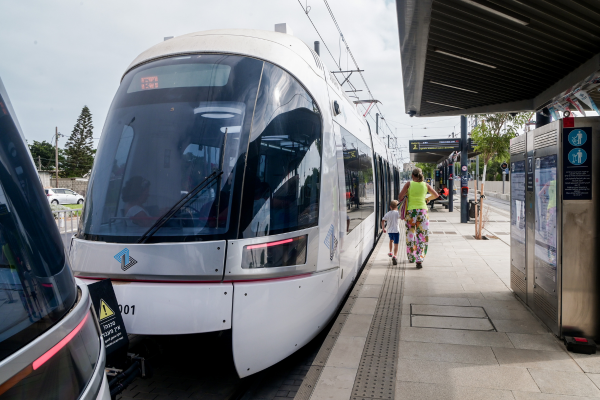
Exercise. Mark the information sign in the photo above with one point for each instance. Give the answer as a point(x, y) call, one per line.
point(111, 323)
point(421, 146)
point(577, 163)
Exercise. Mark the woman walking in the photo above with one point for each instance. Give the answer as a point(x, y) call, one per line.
point(417, 220)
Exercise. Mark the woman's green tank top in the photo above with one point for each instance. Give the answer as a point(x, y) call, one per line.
point(416, 196)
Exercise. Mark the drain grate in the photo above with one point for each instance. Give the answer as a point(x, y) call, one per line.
point(376, 374)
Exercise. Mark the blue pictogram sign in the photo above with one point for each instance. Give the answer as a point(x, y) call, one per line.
point(577, 156)
point(577, 137)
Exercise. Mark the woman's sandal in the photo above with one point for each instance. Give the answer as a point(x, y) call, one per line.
point(419, 265)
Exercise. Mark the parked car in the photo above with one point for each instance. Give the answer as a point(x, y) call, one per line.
point(63, 196)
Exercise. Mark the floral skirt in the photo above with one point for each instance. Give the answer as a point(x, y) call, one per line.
point(417, 235)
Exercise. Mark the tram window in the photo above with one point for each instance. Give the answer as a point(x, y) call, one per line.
point(283, 171)
point(367, 188)
point(159, 145)
point(358, 174)
point(36, 282)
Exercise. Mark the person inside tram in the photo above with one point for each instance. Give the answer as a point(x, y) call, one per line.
point(135, 193)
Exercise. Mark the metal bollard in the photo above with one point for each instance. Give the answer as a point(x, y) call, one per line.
point(61, 219)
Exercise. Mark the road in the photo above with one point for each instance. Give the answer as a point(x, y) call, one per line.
point(502, 205)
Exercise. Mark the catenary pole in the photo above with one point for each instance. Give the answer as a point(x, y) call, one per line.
point(464, 181)
point(451, 186)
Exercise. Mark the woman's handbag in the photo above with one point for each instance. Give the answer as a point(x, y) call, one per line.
point(403, 205)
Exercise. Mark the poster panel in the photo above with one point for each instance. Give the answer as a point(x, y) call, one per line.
point(545, 223)
point(517, 214)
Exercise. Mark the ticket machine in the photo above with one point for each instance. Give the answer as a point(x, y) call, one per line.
point(555, 184)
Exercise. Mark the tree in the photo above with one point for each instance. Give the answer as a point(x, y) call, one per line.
point(427, 168)
point(80, 146)
point(43, 153)
point(492, 138)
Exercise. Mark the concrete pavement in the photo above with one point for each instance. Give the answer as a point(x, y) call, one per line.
point(462, 332)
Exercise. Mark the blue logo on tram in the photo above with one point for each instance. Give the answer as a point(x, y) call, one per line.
point(331, 242)
point(125, 260)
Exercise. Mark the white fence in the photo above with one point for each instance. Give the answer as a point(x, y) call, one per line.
point(67, 220)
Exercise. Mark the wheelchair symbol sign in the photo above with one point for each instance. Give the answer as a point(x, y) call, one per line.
point(577, 137)
point(577, 156)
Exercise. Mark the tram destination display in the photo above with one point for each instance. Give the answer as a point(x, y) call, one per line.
point(577, 163)
point(418, 146)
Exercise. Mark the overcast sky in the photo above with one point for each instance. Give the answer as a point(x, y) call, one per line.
point(57, 56)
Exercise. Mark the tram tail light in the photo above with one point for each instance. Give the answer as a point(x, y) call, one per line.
point(25, 372)
point(57, 347)
point(280, 253)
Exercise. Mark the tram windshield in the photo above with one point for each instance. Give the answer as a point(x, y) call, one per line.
point(36, 284)
point(176, 121)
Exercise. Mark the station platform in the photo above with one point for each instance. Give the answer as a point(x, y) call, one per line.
point(452, 330)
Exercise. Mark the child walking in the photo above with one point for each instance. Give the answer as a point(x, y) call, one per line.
point(392, 218)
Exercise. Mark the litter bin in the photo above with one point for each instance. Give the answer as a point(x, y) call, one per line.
point(471, 208)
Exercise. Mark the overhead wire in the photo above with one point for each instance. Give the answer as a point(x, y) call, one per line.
point(338, 62)
point(355, 62)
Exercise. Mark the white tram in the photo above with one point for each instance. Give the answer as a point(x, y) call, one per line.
point(237, 187)
point(50, 343)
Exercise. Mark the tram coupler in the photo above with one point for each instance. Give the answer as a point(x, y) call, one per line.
point(136, 366)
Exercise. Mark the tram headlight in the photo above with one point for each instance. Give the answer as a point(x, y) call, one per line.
point(280, 253)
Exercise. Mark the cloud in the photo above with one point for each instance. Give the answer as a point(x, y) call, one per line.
point(59, 56)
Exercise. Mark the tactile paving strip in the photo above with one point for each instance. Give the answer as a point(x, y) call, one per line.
point(376, 374)
point(314, 373)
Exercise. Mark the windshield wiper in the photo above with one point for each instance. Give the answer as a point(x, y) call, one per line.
point(173, 210)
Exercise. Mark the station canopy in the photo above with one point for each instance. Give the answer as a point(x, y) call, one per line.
point(487, 56)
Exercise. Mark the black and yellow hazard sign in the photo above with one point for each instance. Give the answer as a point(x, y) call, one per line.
point(111, 322)
point(105, 311)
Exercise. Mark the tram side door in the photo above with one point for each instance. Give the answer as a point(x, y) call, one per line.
point(345, 245)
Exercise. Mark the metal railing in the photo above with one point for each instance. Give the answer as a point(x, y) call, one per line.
point(67, 220)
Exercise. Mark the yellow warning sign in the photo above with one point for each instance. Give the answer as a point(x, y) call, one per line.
point(105, 310)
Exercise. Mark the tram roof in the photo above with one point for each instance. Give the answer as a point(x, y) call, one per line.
point(486, 56)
